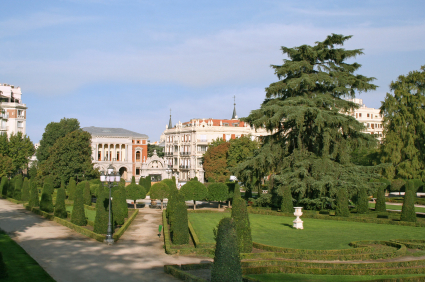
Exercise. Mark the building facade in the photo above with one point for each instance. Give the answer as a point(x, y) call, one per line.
point(13, 112)
point(370, 117)
point(186, 143)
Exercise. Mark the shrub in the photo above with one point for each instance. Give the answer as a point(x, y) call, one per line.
point(60, 208)
point(287, 204)
point(173, 199)
point(217, 192)
point(342, 203)
point(102, 212)
point(25, 193)
point(78, 216)
point(236, 191)
point(171, 183)
point(18, 187)
point(180, 226)
point(397, 185)
point(34, 201)
point(194, 190)
point(10, 188)
point(146, 183)
point(93, 189)
point(380, 200)
point(124, 206)
point(87, 194)
point(95, 181)
point(46, 203)
point(135, 192)
point(49, 181)
point(408, 210)
point(231, 189)
point(243, 227)
point(71, 189)
point(227, 263)
point(117, 207)
point(3, 185)
point(362, 201)
point(159, 191)
point(3, 268)
point(265, 200)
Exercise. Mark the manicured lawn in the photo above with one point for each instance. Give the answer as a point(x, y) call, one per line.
point(90, 214)
point(317, 234)
point(397, 207)
point(277, 277)
point(20, 266)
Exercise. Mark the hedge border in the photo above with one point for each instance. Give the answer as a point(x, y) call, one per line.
point(196, 240)
point(117, 235)
point(13, 200)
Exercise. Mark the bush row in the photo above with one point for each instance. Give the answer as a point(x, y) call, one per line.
point(124, 227)
point(180, 274)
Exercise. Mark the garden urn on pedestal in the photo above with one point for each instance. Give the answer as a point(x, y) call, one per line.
point(298, 223)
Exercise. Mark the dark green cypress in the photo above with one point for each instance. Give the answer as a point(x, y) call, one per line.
point(362, 201)
point(49, 180)
point(60, 208)
point(34, 201)
point(227, 263)
point(71, 189)
point(123, 202)
point(46, 203)
point(102, 212)
point(243, 227)
point(342, 203)
point(25, 193)
point(3, 268)
point(287, 204)
point(11, 188)
point(3, 185)
point(180, 230)
point(117, 207)
point(87, 194)
point(408, 212)
point(237, 191)
point(78, 215)
point(380, 200)
point(18, 187)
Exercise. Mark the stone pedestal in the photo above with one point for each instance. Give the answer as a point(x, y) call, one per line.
point(298, 223)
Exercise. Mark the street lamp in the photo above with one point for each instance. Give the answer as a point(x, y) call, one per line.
point(110, 177)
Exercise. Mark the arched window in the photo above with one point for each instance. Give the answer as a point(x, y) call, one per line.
point(138, 156)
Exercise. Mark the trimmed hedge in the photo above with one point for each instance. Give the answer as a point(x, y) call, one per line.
point(71, 189)
point(34, 201)
point(18, 187)
point(180, 274)
point(362, 201)
point(180, 229)
point(380, 200)
point(78, 216)
point(46, 203)
point(25, 193)
point(342, 203)
point(102, 213)
point(243, 227)
point(60, 208)
point(117, 235)
point(287, 204)
point(408, 210)
point(117, 210)
point(87, 194)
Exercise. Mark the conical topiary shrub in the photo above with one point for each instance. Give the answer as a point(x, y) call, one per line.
point(408, 212)
point(380, 205)
point(243, 227)
point(287, 204)
point(237, 191)
point(117, 207)
point(87, 194)
point(227, 263)
point(46, 203)
point(180, 228)
point(3, 185)
point(102, 212)
point(71, 189)
point(11, 188)
point(34, 200)
point(60, 208)
point(18, 187)
point(342, 203)
point(25, 193)
point(78, 215)
point(362, 201)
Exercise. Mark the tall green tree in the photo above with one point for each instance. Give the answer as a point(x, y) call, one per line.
point(218, 192)
point(242, 224)
point(117, 207)
point(69, 157)
point(6, 165)
point(311, 131)
point(87, 193)
point(215, 162)
point(18, 187)
point(52, 133)
point(240, 149)
point(4, 185)
point(404, 123)
point(380, 205)
point(362, 201)
point(102, 212)
point(342, 203)
point(287, 203)
point(20, 150)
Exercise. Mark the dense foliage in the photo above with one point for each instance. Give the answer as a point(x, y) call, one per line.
point(25, 193)
point(117, 207)
point(78, 215)
point(215, 162)
point(4, 185)
point(195, 191)
point(46, 203)
point(71, 189)
point(362, 201)
point(408, 212)
point(18, 187)
point(287, 203)
point(159, 191)
point(146, 183)
point(134, 191)
point(342, 203)
point(243, 227)
point(152, 148)
point(180, 228)
point(60, 208)
point(380, 205)
point(87, 193)
point(15, 152)
point(102, 212)
point(217, 192)
point(34, 200)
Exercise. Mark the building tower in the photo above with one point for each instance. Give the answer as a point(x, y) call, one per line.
point(234, 116)
point(170, 124)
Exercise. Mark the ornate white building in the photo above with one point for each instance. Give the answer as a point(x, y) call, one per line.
point(13, 113)
point(370, 117)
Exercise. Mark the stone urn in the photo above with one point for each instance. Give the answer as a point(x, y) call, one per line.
point(298, 223)
point(153, 202)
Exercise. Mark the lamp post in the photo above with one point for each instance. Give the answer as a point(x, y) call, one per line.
point(110, 177)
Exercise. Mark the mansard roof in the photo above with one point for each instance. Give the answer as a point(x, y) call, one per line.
point(111, 132)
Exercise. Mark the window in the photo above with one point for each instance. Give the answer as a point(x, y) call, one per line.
point(236, 124)
point(360, 114)
point(225, 124)
point(138, 142)
point(137, 171)
point(228, 137)
point(138, 156)
point(20, 124)
point(20, 112)
point(368, 125)
point(373, 126)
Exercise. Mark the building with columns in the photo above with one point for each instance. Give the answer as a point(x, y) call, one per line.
point(187, 142)
point(13, 112)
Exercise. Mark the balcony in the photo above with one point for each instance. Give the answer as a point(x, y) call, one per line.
point(184, 153)
point(184, 167)
point(202, 140)
point(4, 115)
point(168, 154)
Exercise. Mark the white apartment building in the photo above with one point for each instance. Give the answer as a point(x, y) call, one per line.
point(186, 143)
point(13, 112)
point(370, 117)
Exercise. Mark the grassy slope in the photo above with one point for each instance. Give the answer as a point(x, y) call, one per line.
point(91, 215)
point(317, 234)
point(319, 278)
point(21, 267)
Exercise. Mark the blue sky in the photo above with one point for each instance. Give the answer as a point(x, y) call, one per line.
point(113, 63)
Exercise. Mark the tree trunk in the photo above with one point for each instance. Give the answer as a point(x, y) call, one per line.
point(219, 205)
point(228, 204)
point(194, 204)
point(135, 204)
point(161, 204)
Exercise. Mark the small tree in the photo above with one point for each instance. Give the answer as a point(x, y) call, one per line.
point(135, 192)
point(87, 193)
point(227, 263)
point(342, 203)
point(146, 183)
point(25, 193)
point(60, 208)
point(102, 212)
point(380, 200)
point(159, 191)
point(46, 203)
point(217, 192)
point(117, 207)
point(194, 190)
point(243, 227)
point(287, 204)
point(18, 187)
point(180, 230)
point(34, 201)
point(408, 212)
point(362, 201)
point(78, 215)
point(71, 189)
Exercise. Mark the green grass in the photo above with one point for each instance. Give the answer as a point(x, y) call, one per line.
point(397, 207)
point(21, 267)
point(317, 234)
point(91, 215)
point(277, 277)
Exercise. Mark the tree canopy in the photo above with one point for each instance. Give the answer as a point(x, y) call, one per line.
point(312, 133)
point(15, 152)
